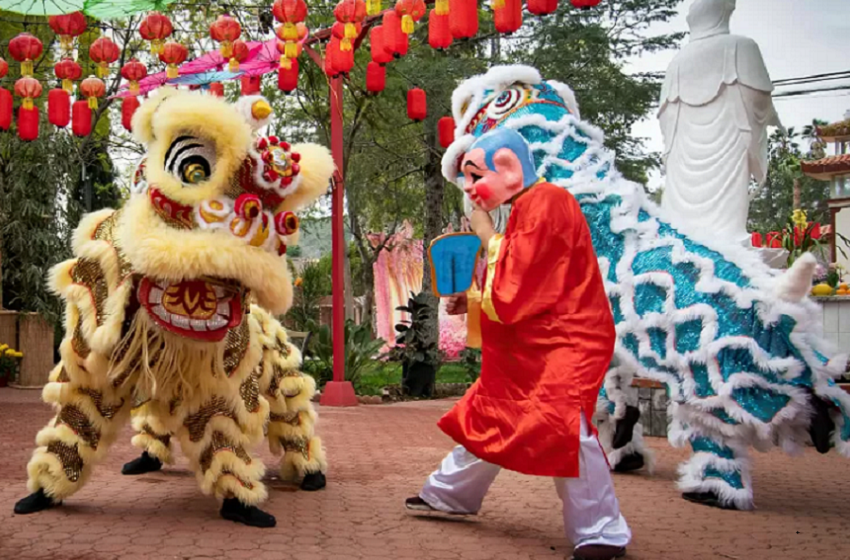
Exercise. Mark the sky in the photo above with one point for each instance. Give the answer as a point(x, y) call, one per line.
point(796, 37)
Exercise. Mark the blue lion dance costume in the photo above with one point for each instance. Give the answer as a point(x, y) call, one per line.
point(736, 344)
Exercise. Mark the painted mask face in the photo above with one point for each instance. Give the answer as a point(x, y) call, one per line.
point(487, 188)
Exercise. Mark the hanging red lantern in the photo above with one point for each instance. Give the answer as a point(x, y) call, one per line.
point(287, 78)
point(395, 41)
point(4, 68)
point(81, 118)
point(410, 11)
point(542, 7)
point(508, 18)
point(239, 54)
point(217, 89)
point(28, 123)
point(350, 13)
point(7, 102)
point(67, 27)
point(134, 72)
point(417, 104)
point(341, 61)
point(173, 54)
point(156, 28)
point(290, 13)
point(25, 48)
point(104, 52)
point(250, 85)
point(585, 4)
point(439, 32)
point(338, 31)
point(58, 107)
point(128, 109)
point(377, 46)
point(69, 72)
point(464, 20)
point(293, 48)
point(446, 131)
point(28, 88)
point(376, 77)
point(92, 88)
point(225, 30)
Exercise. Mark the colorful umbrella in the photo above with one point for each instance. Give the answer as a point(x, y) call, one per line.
point(100, 9)
point(204, 78)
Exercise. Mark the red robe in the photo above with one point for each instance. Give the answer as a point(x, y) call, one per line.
point(547, 340)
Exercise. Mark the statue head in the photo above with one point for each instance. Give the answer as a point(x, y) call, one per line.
point(497, 167)
point(708, 18)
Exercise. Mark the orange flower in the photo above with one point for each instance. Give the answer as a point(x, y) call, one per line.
point(299, 281)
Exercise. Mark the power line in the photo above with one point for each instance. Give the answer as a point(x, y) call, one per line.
point(810, 91)
point(813, 78)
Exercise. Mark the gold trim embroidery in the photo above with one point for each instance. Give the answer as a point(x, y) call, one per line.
point(493, 250)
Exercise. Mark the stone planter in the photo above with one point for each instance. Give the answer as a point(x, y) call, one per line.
point(31, 334)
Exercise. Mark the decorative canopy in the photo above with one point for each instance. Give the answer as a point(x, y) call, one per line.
point(100, 9)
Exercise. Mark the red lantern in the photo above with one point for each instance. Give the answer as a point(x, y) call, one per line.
point(68, 26)
point(81, 119)
point(350, 13)
point(542, 7)
point(25, 49)
point(290, 13)
point(134, 72)
point(446, 131)
point(376, 77)
point(104, 52)
point(69, 72)
point(395, 40)
point(28, 123)
point(409, 11)
point(225, 30)
point(250, 85)
point(92, 88)
point(156, 28)
point(341, 61)
point(59, 107)
point(417, 104)
point(173, 54)
point(290, 50)
point(239, 54)
point(464, 18)
point(29, 88)
point(128, 109)
point(217, 89)
point(508, 18)
point(6, 104)
point(585, 4)
point(338, 30)
point(4, 68)
point(377, 46)
point(757, 240)
point(439, 31)
point(287, 78)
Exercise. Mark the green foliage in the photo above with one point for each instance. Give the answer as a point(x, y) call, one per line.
point(310, 285)
point(361, 354)
point(470, 361)
point(416, 343)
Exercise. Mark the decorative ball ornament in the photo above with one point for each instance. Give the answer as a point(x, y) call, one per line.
point(446, 131)
point(225, 30)
point(410, 11)
point(156, 28)
point(542, 7)
point(134, 72)
point(173, 55)
point(68, 27)
point(28, 88)
point(58, 107)
point(25, 48)
point(439, 31)
point(376, 77)
point(81, 119)
point(508, 18)
point(417, 104)
point(7, 103)
point(104, 52)
point(93, 88)
point(69, 71)
point(350, 13)
point(585, 4)
point(287, 78)
point(239, 54)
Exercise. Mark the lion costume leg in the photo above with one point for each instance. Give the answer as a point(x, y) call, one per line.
point(292, 418)
point(155, 444)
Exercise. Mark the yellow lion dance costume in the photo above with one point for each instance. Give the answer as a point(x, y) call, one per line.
point(159, 315)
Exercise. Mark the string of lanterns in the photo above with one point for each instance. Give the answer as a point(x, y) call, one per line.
point(449, 20)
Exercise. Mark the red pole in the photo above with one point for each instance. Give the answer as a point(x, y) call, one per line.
point(338, 392)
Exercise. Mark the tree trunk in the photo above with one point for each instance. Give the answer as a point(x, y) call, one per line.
point(349, 288)
point(797, 193)
point(433, 210)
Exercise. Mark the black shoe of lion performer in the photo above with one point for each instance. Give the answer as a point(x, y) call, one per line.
point(234, 510)
point(144, 464)
point(35, 502)
point(625, 427)
point(313, 482)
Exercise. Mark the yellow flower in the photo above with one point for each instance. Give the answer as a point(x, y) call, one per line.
point(19, 355)
point(298, 281)
point(799, 218)
point(3, 347)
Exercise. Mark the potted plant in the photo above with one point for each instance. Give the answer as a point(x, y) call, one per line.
point(10, 360)
point(418, 348)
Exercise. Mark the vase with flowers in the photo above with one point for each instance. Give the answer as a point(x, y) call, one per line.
point(10, 362)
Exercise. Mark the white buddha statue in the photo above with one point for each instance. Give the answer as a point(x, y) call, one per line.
point(714, 111)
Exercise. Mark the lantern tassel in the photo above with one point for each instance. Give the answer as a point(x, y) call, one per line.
point(373, 7)
point(285, 62)
point(68, 85)
point(407, 24)
point(102, 70)
point(290, 32)
point(233, 65)
point(171, 71)
point(26, 68)
point(345, 44)
point(226, 49)
point(92, 103)
point(156, 46)
point(291, 49)
point(498, 4)
point(66, 42)
point(350, 31)
point(441, 7)
point(27, 104)
point(134, 87)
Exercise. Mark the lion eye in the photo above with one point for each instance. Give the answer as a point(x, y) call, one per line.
point(190, 159)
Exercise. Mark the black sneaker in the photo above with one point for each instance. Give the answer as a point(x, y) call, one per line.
point(313, 482)
point(35, 502)
point(599, 552)
point(234, 510)
point(629, 463)
point(624, 430)
point(707, 499)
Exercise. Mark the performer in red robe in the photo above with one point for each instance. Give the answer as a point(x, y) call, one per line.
point(547, 340)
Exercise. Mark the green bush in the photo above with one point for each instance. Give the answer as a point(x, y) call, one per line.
point(361, 354)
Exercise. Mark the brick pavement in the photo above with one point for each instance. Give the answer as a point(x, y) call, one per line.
point(379, 456)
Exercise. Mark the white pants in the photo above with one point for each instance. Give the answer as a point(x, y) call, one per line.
point(591, 510)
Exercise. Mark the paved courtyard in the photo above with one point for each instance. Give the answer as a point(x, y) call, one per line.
point(379, 456)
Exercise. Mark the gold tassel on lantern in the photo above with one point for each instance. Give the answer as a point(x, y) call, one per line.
point(285, 62)
point(226, 49)
point(373, 7)
point(92, 103)
point(102, 70)
point(171, 71)
point(291, 49)
point(407, 24)
point(27, 104)
point(498, 4)
point(350, 31)
point(441, 7)
point(156, 46)
point(68, 85)
point(290, 32)
point(66, 42)
point(233, 65)
point(134, 87)
point(26, 68)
